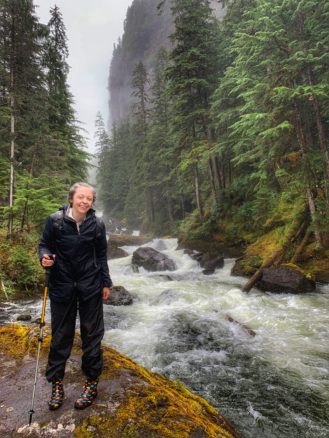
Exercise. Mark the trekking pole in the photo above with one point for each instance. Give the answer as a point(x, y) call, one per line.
point(40, 339)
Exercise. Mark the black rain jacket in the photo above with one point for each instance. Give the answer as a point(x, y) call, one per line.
point(81, 256)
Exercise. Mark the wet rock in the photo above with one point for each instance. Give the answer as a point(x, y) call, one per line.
point(119, 297)
point(24, 317)
point(152, 260)
point(285, 279)
point(114, 252)
point(209, 261)
point(130, 398)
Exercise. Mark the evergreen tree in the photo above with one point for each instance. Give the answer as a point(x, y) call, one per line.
point(23, 94)
point(271, 103)
point(66, 140)
point(139, 203)
point(193, 76)
point(39, 140)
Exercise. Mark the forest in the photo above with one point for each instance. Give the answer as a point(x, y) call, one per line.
point(226, 137)
point(42, 149)
point(223, 137)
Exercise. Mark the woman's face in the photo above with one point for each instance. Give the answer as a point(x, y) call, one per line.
point(82, 200)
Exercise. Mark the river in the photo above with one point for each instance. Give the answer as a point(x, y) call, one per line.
point(193, 328)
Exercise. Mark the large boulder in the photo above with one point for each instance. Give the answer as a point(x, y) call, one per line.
point(285, 279)
point(132, 401)
point(119, 297)
point(152, 260)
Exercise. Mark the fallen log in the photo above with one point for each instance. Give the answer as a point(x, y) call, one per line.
point(266, 264)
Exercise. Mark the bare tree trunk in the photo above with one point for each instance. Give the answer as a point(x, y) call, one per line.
point(213, 180)
point(197, 189)
point(12, 157)
point(217, 178)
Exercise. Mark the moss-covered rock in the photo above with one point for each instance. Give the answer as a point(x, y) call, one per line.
point(132, 402)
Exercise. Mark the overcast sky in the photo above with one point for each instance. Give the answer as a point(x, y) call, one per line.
point(92, 27)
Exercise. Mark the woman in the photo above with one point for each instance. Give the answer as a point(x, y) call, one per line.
point(73, 245)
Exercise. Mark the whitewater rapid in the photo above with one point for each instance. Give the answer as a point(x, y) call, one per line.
point(192, 327)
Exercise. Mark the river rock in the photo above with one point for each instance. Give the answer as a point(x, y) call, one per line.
point(152, 260)
point(285, 279)
point(211, 262)
point(114, 252)
point(24, 317)
point(115, 241)
point(208, 261)
point(119, 297)
point(132, 401)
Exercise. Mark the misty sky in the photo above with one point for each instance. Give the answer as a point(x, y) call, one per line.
point(92, 27)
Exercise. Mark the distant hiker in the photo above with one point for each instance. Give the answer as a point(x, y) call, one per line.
point(74, 246)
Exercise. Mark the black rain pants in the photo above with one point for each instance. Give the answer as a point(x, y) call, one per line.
point(63, 319)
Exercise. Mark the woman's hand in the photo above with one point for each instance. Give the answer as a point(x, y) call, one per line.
point(48, 260)
point(106, 293)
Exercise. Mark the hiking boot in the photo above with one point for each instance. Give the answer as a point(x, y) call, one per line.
point(57, 395)
point(88, 394)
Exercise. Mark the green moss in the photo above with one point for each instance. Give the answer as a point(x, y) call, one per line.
point(151, 405)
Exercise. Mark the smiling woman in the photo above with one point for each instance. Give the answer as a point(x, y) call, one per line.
point(73, 245)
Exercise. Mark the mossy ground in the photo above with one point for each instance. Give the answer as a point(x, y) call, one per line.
point(146, 404)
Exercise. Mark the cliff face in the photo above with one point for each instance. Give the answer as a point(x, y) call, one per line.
point(145, 31)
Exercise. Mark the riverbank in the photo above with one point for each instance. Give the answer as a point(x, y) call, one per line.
point(291, 242)
point(132, 402)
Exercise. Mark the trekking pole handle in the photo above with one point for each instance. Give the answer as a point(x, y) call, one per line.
point(45, 293)
point(47, 275)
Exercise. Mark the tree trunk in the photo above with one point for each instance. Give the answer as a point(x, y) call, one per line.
point(197, 189)
point(12, 157)
point(301, 247)
point(266, 264)
point(214, 179)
